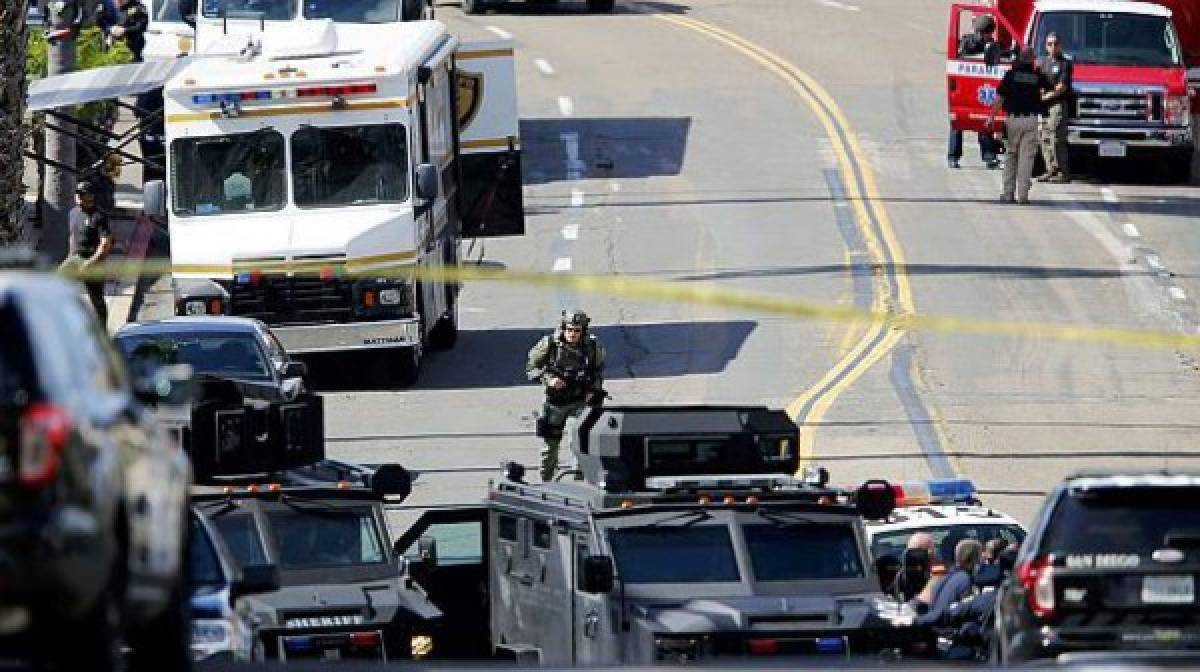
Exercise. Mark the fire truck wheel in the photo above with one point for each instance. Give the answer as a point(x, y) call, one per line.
point(601, 5)
point(1179, 169)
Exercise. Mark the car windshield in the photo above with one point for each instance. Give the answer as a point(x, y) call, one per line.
point(325, 537)
point(699, 554)
point(804, 551)
point(228, 173)
point(240, 534)
point(269, 10)
point(1124, 520)
point(350, 165)
point(203, 565)
point(945, 538)
point(353, 11)
point(1112, 39)
point(229, 355)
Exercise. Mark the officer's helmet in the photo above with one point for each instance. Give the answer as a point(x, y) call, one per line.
point(576, 318)
point(85, 187)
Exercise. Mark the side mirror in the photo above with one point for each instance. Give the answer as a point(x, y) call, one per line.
point(427, 552)
point(187, 10)
point(256, 579)
point(154, 198)
point(427, 181)
point(295, 369)
point(598, 575)
point(875, 499)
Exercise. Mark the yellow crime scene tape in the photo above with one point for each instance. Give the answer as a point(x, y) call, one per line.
point(647, 289)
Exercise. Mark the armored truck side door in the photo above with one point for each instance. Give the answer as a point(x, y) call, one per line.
point(489, 142)
point(448, 556)
point(595, 617)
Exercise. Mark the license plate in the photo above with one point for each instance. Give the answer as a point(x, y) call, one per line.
point(1168, 590)
point(1112, 148)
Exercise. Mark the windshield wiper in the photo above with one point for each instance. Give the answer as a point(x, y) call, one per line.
point(684, 519)
point(785, 519)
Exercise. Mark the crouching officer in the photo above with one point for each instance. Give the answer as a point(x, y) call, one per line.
point(570, 364)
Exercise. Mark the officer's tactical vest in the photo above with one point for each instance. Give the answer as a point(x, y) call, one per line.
point(575, 365)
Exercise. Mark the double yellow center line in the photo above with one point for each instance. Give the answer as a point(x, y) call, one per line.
point(892, 293)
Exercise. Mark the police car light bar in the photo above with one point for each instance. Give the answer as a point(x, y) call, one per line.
point(280, 94)
point(934, 491)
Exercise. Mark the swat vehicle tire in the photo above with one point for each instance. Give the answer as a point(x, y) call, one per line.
point(164, 642)
point(406, 367)
point(597, 6)
point(445, 331)
point(472, 6)
point(413, 10)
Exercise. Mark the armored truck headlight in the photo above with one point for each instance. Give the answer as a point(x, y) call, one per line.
point(211, 636)
point(391, 297)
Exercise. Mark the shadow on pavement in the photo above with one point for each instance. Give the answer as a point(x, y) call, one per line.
point(491, 358)
point(617, 147)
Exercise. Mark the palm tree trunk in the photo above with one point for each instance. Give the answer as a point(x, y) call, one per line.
point(12, 116)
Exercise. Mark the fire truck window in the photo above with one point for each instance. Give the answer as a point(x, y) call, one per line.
point(350, 165)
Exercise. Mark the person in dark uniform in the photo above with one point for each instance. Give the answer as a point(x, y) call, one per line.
point(1059, 70)
point(570, 364)
point(90, 243)
point(981, 43)
point(1020, 96)
point(132, 27)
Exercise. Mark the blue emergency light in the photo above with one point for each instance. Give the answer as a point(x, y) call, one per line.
point(934, 491)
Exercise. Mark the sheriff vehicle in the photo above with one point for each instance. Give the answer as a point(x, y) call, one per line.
point(949, 510)
point(322, 175)
point(684, 538)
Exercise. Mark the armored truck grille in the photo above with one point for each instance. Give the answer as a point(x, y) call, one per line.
point(298, 299)
point(1110, 107)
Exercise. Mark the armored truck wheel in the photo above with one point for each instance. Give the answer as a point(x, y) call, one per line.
point(472, 6)
point(445, 331)
point(598, 6)
point(406, 367)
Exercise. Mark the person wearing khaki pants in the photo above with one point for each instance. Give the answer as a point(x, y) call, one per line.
point(1020, 96)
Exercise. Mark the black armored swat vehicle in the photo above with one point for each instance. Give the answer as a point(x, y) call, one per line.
point(683, 536)
point(338, 590)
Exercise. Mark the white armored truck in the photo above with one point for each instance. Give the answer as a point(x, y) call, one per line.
point(322, 174)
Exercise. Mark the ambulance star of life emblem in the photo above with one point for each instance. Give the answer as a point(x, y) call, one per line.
point(986, 94)
point(468, 97)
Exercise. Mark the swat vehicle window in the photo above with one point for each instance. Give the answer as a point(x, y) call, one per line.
point(228, 173)
point(700, 554)
point(803, 551)
point(204, 566)
point(457, 543)
point(326, 538)
point(271, 10)
point(353, 11)
point(232, 355)
point(506, 528)
point(350, 165)
point(1124, 520)
point(1112, 39)
point(542, 534)
point(678, 456)
point(240, 533)
point(945, 538)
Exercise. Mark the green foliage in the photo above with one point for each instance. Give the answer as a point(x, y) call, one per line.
point(90, 52)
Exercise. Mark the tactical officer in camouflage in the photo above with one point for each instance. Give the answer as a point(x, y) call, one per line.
point(570, 363)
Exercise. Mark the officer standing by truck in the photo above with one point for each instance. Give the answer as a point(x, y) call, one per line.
point(570, 364)
point(132, 27)
point(1020, 96)
point(90, 241)
point(981, 43)
point(1058, 69)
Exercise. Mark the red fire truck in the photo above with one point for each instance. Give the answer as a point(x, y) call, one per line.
point(1132, 95)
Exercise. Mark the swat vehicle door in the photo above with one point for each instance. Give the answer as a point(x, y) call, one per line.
point(447, 552)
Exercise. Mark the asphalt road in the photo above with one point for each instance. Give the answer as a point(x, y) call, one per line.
point(796, 148)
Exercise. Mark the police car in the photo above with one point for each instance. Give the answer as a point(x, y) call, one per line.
point(949, 510)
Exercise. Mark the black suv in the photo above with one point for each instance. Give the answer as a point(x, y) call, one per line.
point(93, 500)
point(1108, 572)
